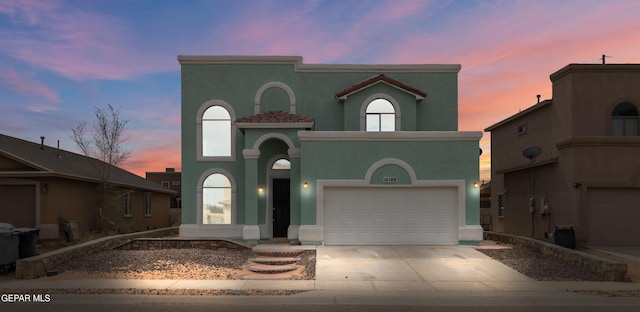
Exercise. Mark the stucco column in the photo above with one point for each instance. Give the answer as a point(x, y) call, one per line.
point(251, 229)
point(294, 201)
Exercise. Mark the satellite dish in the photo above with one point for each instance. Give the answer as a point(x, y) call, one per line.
point(531, 152)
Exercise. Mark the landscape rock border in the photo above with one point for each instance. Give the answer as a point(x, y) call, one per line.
point(609, 269)
point(37, 266)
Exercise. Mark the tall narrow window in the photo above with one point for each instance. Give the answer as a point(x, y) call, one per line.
point(128, 211)
point(147, 204)
point(624, 120)
point(381, 116)
point(216, 132)
point(216, 200)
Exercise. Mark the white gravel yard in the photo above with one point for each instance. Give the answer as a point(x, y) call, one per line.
point(177, 264)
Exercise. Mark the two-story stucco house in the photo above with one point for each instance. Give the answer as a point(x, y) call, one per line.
point(587, 172)
point(326, 154)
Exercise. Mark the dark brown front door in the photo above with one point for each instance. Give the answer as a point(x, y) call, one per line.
point(280, 207)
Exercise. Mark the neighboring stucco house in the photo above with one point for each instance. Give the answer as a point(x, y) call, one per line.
point(326, 154)
point(172, 180)
point(39, 184)
point(587, 174)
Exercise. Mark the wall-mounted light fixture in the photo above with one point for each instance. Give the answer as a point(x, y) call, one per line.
point(305, 184)
point(476, 184)
point(260, 189)
point(577, 184)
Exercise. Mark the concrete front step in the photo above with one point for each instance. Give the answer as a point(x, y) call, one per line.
point(279, 276)
point(275, 260)
point(272, 269)
point(278, 252)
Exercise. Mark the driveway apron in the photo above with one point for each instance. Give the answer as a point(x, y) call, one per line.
point(411, 264)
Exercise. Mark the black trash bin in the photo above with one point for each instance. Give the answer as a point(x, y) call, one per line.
point(565, 236)
point(27, 238)
point(8, 247)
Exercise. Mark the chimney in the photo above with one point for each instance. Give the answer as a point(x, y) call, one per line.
point(42, 143)
point(169, 170)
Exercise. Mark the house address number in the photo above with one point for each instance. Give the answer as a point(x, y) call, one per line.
point(389, 179)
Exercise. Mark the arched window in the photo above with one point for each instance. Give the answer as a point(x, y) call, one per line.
point(381, 116)
point(281, 164)
point(216, 200)
point(624, 120)
point(216, 132)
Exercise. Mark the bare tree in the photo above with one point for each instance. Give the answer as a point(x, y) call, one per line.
point(104, 144)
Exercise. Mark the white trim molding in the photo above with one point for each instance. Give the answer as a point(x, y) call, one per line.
point(275, 84)
point(389, 136)
point(368, 100)
point(299, 66)
point(234, 193)
point(201, 110)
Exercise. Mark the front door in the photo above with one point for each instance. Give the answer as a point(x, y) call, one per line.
point(281, 202)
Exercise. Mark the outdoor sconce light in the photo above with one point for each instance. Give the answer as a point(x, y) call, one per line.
point(260, 189)
point(476, 184)
point(305, 184)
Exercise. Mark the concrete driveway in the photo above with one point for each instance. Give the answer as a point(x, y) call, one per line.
point(411, 267)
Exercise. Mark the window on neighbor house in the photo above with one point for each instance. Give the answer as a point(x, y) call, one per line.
point(128, 210)
point(381, 116)
point(165, 184)
point(147, 204)
point(624, 120)
point(216, 200)
point(216, 132)
point(500, 205)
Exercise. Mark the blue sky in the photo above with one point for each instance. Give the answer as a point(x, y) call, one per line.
point(60, 59)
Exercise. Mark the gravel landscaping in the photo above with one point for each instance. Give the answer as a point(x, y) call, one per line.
point(539, 266)
point(226, 264)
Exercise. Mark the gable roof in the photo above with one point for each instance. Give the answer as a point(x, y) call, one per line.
point(49, 161)
point(342, 94)
point(535, 107)
point(275, 119)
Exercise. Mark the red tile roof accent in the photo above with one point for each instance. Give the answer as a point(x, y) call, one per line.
point(275, 117)
point(378, 78)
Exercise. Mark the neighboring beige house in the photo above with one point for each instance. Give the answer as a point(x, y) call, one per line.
point(172, 180)
point(39, 184)
point(587, 173)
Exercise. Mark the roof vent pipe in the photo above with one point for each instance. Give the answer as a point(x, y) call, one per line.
point(538, 96)
point(59, 150)
point(42, 143)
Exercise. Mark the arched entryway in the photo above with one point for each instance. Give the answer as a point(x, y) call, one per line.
point(279, 197)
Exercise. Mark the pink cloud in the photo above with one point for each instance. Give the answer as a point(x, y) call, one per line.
point(76, 44)
point(32, 88)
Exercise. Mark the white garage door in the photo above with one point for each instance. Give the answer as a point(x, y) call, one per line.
point(390, 216)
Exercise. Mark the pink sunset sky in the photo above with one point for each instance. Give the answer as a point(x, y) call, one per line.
point(60, 59)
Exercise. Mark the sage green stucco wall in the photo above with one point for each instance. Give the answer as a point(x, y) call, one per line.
point(237, 85)
point(431, 160)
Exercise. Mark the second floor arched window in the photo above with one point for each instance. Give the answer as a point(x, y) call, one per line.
point(380, 116)
point(624, 120)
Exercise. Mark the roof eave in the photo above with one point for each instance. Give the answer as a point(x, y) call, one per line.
point(275, 125)
point(518, 115)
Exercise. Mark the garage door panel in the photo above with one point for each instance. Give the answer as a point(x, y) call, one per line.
point(390, 215)
point(613, 216)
